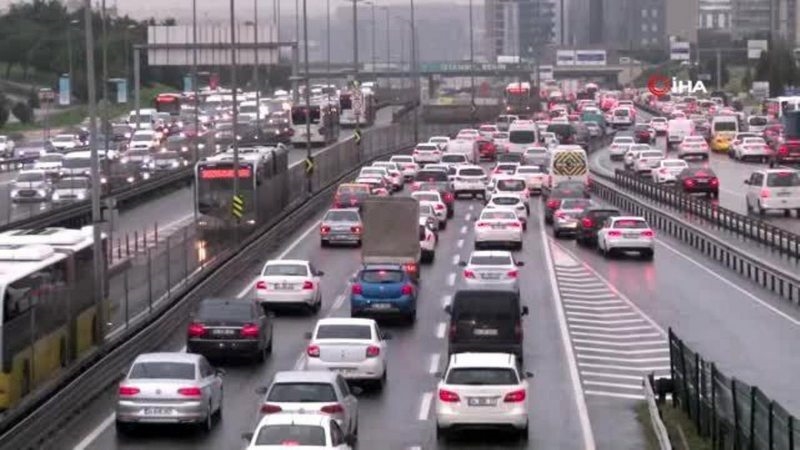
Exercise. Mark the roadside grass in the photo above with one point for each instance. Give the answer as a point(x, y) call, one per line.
point(682, 432)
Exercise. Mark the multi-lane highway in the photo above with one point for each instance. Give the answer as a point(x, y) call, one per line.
point(596, 327)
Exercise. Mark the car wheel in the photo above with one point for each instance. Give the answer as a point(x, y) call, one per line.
point(123, 429)
point(556, 234)
point(647, 255)
point(787, 212)
point(443, 225)
point(519, 246)
point(411, 318)
point(323, 243)
point(441, 433)
point(260, 356)
point(522, 434)
point(268, 349)
point(382, 381)
point(208, 422)
point(761, 211)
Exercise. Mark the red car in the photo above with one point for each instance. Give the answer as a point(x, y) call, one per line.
point(487, 149)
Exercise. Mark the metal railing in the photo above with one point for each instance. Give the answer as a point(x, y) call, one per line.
point(733, 414)
point(656, 423)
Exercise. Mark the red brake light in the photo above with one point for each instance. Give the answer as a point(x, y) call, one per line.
point(587, 222)
point(647, 233)
point(196, 329)
point(448, 396)
point(357, 289)
point(561, 214)
point(308, 285)
point(332, 409)
point(764, 193)
point(324, 229)
point(448, 197)
point(250, 330)
point(514, 224)
point(128, 391)
point(614, 233)
point(356, 229)
point(512, 273)
point(515, 396)
point(373, 351)
point(190, 391)
point(267, 408)
point(714, 181)
point(439, 206)
point(469, 274)
point(553, 204)
point(261, 285)
point(407, 290)
point(689, 182)
point(783, 150)
point(312, 351)
point(482, 224)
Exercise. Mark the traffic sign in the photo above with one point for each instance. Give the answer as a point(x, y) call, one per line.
point(357, 136)
point(309, 162)
point(46, 95)
point(237, 206)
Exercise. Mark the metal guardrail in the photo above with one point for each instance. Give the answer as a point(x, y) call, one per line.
point(659, 429)
point(14, 164)
point(97, 373)
point(732, 413)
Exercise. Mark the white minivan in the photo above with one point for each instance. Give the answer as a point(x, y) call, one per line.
point(773, 189)
point(468, 147)
point(677, 129)
point(521, 135)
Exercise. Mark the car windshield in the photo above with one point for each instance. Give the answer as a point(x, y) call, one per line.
point(490, 260)
point(453, 158)
point(73, 183)
point(674, 163)
point(630, 224)
point(30, 177)
point(291, 435)
point(623, 140)
point(341, 216)
point(725, 126)
point(426, 197)
point(471, 172)
point(163, 370)
point(521, 137)
point(344, 331)
point(783, 179)
point(498, 215)
point(428, 148)
point(301, 393)
point(293, 270)
point(475, 376)
point(529, 170)
point(576, 203)
point(757, 121)
point(511, 185)
point(232, 311)
point(52, 157)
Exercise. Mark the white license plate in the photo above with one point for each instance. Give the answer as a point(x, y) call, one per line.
point(481, 401)
point(283, 286)
point(783, 194)
point(490, 276)
point(631, 235)
point(485, 332)
point(382, 306)
point(223, 332)
point(702, 180)
point(157, 411)
point(343, 370)
point(498, 227)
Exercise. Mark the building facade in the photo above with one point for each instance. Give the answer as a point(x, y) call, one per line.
point(518, 27)
point(617, 24)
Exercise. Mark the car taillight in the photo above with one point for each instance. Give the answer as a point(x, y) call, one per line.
point(512, 273)
point(764, 193)
point(688, 183)
point(353, 201)
point(439, 206)
point(128, 391)
point(410, 268)
point(308, 285)
point(515, 396)
point(357, 289)
point(587, 222)
point(482, 224)
point(448, 396)
point(250, 330)
point(190, 391)
point(407, 289)
point(514, 224)
point(553, 204)
point(324, 229)
point(267, 408)
point(783, 150)
point(561, 214)
point(332, 409)
point(261, 285)
point(336, 204)
point(518, 331)
point(614, 233)
point(356, 229)
point(448, 197)
point(312, 351)
point(373, 351)
point(647, 233)
point(714, 181)
point(662, 171)
point(196, 329)
point(469, 274)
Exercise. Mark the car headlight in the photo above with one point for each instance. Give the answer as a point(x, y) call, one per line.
point(82, 195)
point(201, 146)
point(145, 176)
point(124, 160)
point(130, 179)
point(127, 135)
point(56, 196)
point(184, 149)
point(41, 192)
point(175, 164)
point(14, 193)
point(103, 180)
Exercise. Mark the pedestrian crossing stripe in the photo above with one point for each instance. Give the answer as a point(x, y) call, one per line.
point(237, 206)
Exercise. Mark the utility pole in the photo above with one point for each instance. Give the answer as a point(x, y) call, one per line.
point(255, 71)
point(235, 88)
point(374, 60)
point(471, 66)
point(415, 70)
point(355, 39)
point(106, 101)
point(97, 219)
point(196, 90)
point(307, 92)
point(388, 39)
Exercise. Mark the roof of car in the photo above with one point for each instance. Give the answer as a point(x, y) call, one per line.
point(294, 419)
point(286, 261)
point(639, 218)
point(307, 376)
point(345, 321)
point(482, 360)
point(168, 357)
point(490, 253)
point(382, 267)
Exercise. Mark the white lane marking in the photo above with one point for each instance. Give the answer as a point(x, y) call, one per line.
point(621, 352)
point(434, 365)
point(464, 229)
point(456, 259)
point(614, 394)
point(282, 255)
point(451, 279)
point(300, 362)
point(595, 308)
point(618, 344)
point(731, 284)
point(635, 387)
point(440, 329)
point(627, 336)
point(446, 300)
point(604, 322)
point(638, 369)
point(611, 375)
point(471, 207)
point(95, 433)
point(610, 329)
point(567, 290)
point(468, 217)
point(460, 243)
point(425, 406)
point(599, 303)
point(633, 360)
point(338, 303)
point(575, 295)
point(572, 362)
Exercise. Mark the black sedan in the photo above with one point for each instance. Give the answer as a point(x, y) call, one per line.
point(590, 221)
point(698, 180)
point(565, 189)
point(223, 327)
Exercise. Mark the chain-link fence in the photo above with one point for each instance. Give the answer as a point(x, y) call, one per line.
point(733, 414)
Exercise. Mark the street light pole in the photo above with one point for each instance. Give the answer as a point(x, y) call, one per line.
point(374, 60)
point(388, 38)
point(355, 39)
point(471, 65)
point(255, 71)
point(234, 88)
point(307, 91)
point(196, 90)
point(415, 70)
point(103, 20)
point(328, 33)
point(97, 219)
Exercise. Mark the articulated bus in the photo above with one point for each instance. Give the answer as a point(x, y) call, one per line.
point(263, 184)
point(168, 103)
point(49, 314)
point(324, 124)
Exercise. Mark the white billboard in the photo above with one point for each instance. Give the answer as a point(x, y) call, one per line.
point(590, 57)
point(545, 73)
point(565, 57)
point(679, 51)
point(215, 35)
point(755, 47)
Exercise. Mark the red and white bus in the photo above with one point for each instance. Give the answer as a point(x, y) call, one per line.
point(168, 103)
point(347, 117)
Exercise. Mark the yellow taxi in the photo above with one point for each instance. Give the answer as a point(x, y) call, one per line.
point(721, 143)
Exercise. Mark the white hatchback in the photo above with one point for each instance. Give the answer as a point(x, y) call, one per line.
point(694, 146)
point(434, 199)
point(619, 146)
point(497, 227)
point(289, 282)
point(534, 178)
point(626, 234)
point(427, 153)
point(469, 180)
point(304, 430)
point(406, 164)
point(667, 170)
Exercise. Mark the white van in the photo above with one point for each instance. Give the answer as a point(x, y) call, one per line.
point(677, 129)
point(469, 147)
point(568, 163)
point(770, 189)
point(724, 126)
point(146, 117)
point(521, 135)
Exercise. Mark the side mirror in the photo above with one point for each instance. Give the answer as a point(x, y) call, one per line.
point(261, 390)
point(528, 374)
point(307, 335)
point(350, 440)
point(520, 263)
point(386, 336)
point(247, 436)
point(320, 273)
point(220, 372)
point(448, 309)
point(746, 181)
point(525, 311)
point(462, 264)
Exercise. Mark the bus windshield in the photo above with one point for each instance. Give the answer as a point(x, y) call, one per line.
point(299, 115)
point(215, 188)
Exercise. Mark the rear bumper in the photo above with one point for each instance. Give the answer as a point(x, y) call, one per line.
point(368, 369)
point(373, 307)
point(222, 347)
point(448, 417)
point(485, 347)
point(184, 412)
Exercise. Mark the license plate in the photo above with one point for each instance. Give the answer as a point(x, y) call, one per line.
point(631, 235)
point(783, 194)
point(343, 370)
point(382, 306)
point(158, 411)
point(485, 332)
point(702, 180)
point(498, 227)
point(225, 332)
point(481, 401)
point(490, 276)
point(284, 286)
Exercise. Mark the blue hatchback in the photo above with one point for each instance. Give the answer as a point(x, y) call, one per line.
point(383, 290)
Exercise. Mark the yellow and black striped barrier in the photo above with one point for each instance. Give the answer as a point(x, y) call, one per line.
point(237, 206)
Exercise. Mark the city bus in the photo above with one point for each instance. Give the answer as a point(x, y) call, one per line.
point(324, 124)
point(49, 315)
point(348, 116)
point(263, 184)
point(520, 99)
point(775, 107)
point(168, 103)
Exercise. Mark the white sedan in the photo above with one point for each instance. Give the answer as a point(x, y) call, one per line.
point(407, 165)
point(694, 146)
point(289, 282)
point(427, 153)
point(667, 170)
point(510, 202)
point(434, 199)
point(395, 174)
point(498, 227)
point(354, 347)
point(753, 148)
point(659, 124)
point(626, 234)
point(534, 178)
point(304, 430)
point(619, 147)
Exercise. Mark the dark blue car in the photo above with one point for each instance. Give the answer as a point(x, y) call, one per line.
point(383, 291)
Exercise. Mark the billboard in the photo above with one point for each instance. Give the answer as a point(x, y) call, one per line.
point(590, 57)
point(64, 90)
point(679, 51)
point(545, 73)
point(565, 58)
point(755, 47)
point(216, 36)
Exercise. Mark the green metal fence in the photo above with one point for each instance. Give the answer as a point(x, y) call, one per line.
point(733, 414)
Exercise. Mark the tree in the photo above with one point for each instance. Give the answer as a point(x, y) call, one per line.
point(23, 112)
point(33, 99)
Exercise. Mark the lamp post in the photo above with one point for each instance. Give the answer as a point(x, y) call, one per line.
point(415, 71)
point(307, 90)
point(388, 37)
point(234, 89)
point(69, 49)
point(196, 90)
point(105, 121)
point(355, 39)
point(471, 65)
point(255, 71)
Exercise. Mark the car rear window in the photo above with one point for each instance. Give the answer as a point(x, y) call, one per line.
point(162, 370)
point(453, 158)
point(783, 179)
point(701, 173)
point(428, 147)
point(382, 276)
point(474, 376)
point(344, 331)
point(471, 172)
point(491, 307)
point(353, 189)
point(651, 155)
point(529, 170)
point(295, 270)
point(757, 121)
point(291, 435)
point(341, 216)
point(623, 140)
point(431, 175)
point(301, 393)
point(511, 185)
point(576, 203)
point(426, 197)
point(505, 200)
point(232, 311)
point(630, 224)
point(674, 163)
point(621, 113)
point(490, 260)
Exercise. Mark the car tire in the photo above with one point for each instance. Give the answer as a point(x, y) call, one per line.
point(260, 356)
point(522, 434)
point(441, 433)
point(382, 381)
point(761, 211)
point(323, 243)
point(411, 319)
point(443, 225)
point(268, 349)
point(123, 429)
point(518, 246)
point(208, 422)
point(556, 234)
point(450, 213)
point(648, 255)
